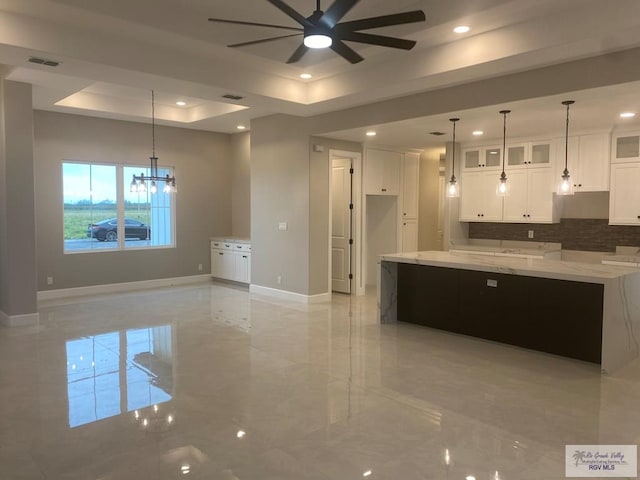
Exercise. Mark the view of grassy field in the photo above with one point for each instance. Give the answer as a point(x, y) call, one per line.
point(77, 219)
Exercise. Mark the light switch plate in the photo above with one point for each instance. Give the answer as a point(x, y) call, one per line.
point(283, 226)
point(492, 283)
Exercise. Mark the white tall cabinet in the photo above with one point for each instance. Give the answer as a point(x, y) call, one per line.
point(624, 196)
point(391, 199)
point(410, 200)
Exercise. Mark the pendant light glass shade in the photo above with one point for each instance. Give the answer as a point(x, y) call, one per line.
point(502, 190)
point(453, 188)
point(566, 185)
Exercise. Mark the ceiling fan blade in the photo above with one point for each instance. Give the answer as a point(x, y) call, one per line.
point(263, 40)
point(291, 12)
point(336, 11)
point(253, 24)
point(383, 21)
point(345, 51)
point(298, 54)
point(380, 40)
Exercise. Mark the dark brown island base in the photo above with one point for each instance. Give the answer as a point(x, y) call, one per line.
point(583, 311)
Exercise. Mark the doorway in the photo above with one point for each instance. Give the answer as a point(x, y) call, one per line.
point(344, 208)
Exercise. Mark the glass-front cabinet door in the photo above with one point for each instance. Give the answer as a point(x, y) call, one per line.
point(516, 155)
point(626, 147)
point(472, 158)
point(493, 157)
point(540, 154)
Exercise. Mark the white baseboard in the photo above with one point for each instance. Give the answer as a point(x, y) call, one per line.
point(291, 296)
point(24, 320)
point(121, 287)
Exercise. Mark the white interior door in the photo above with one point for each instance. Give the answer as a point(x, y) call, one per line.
point(340, 224)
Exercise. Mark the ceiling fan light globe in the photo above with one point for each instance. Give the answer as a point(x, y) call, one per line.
point(316, 40)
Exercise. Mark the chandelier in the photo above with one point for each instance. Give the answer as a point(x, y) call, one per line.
point(139, 182)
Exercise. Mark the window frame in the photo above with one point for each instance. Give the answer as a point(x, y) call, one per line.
point(121, 184)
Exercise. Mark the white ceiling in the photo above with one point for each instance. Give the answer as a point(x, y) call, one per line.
point(112, 53)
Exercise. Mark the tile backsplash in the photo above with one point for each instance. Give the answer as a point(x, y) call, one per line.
point(594, 235)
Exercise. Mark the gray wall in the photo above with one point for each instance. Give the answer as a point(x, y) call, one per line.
point(203, 167)
point(429, 200)
point(241, 191)
point(17, 210)
point(319, 208)
point(280, 191)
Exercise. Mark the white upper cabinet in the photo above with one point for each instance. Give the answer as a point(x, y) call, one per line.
point(478, 199)
point(485, 158)
point(382, 172)
point(624, 198)
point(530, 155)
point(625, 147)
point(530, 199)
point(587, 162)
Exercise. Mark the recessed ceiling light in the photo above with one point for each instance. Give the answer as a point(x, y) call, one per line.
point(241, 127)
point(477, 133)
point(241, 433)
point(181, 103)
point(367, 473)
point(306, 76)
point(371, 134)
point(627, 115)
point(461, 29)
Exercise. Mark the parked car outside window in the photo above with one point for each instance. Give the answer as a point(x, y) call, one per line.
point(107, 230)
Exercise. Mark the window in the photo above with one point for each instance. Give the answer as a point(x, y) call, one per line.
point(100, 213)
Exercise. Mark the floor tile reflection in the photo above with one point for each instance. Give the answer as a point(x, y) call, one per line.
point(212, 382)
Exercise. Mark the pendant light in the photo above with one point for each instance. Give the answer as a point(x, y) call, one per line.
point(566, 186)
point(453, 190)
point(139, 182)
point(503, 186)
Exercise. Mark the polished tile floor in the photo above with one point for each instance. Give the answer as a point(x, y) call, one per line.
point(210, 382)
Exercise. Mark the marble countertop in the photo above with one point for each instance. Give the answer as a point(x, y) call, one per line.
point(555, 269)
point(507, 247)
point(230, 239)
point(624, 255)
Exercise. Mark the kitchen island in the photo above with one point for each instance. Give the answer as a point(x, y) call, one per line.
point(585, 311)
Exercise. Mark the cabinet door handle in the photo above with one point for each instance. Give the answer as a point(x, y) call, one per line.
point(404, 213)
point(244, 256)
point(384, 189)
point(482, 215)
point(528, 216)
point(524, 214)
point(404, 224)
point(579, 184)
point(220, 253)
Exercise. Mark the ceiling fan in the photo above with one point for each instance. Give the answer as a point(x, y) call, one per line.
point(323, 30)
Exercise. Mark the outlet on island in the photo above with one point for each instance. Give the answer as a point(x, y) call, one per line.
point(49, 280)
point(279, 279)
point(530, 234)
point(199, 267)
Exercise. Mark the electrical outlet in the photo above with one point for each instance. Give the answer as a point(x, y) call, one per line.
point(49, 280)
point(279, 279)
point(199, 267)
point(530, 234)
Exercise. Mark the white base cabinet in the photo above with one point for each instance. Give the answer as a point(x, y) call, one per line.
point(231, 261)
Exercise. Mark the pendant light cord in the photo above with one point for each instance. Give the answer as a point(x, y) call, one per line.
point(153, 125)
point(504, 138)
point(453, 157)
point(568, 103)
